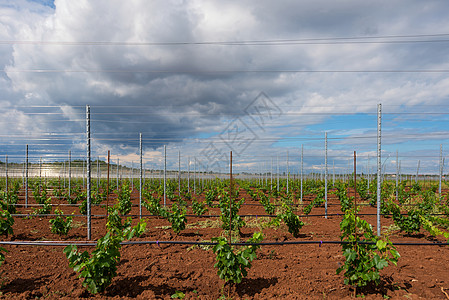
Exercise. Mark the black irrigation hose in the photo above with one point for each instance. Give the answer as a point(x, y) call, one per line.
point(302, 204)
point(205, 216)
point(93, 243)
point(56, 204)
point(51, 215)
point(136, 205)
point(278, 243)
point(209, 216)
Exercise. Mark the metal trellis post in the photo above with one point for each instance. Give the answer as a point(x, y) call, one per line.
point(116, 173)
point(441, 172)
point(70, 171)
point(165, 175)
point(379, 163)
point(397, 175)
point(98, 175)
point(277, 163)
point(271, 175)
point(26, 177)
point(6, 177)
point(287, 172)
point(302, 168)
point(140, 176)
point(325, 175)
point(188, 174)
point(88, 172)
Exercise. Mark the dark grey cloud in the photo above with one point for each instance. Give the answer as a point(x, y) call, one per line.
point(145, 67)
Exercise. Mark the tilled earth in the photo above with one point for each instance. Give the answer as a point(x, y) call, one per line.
point(158, 271)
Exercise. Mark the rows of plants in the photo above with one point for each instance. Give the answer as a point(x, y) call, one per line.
point(366, 254)
point(281, 200)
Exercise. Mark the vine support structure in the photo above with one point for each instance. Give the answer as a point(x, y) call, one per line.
point(441, 173)
point(40, 174)
point(397, 175)
point(355, 183)
point(230, 198)
point(140, 177)
point(6, 183)
point(287, 172)
point(26, 177)
point(356, 246)
point(379, 163)
point(333, 173)
point(302, 168)
point(325, 175)
point(230, 208)
point(368, 168)
point(165, 175)
point(98, 175)
point(179, 173)
point(70, 172)
point(194, 175)
point(188, 175)
point(417, 171)
point(117, 173)
point(88, 172)
point(271, 175)
point(277, 164)
point(107, 185)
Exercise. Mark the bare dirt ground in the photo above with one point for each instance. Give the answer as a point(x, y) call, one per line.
point(158, 271)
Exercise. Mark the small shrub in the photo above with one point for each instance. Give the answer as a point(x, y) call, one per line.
point(2, 255)
point(59, 225)
point(232, 265)
point(198, 208)
point(265, 201)
point(100, 267)
point(177, 218)
point(291, 220)
point(229, 212)
point(124, 199)
point(410, 223)
point(6, 222)
point(366, 254)
point(45, 209)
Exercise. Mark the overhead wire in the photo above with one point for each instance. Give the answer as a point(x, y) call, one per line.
point(268, 42)
point(45, 137)
point(236, 71)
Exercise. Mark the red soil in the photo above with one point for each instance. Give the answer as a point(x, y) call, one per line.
point(279, 272)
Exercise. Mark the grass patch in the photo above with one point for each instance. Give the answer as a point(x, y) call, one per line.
point(78, 224)
point(165, 227)
point(202, 247)
point(389, 230)
point(260, 222)
point(208, 223)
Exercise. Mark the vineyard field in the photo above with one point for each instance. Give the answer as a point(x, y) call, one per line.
point(160, 270)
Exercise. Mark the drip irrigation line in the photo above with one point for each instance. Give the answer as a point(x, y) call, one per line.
point(56, 204)
point(168, 204)
point(295, 204)
point(90, 244)
point(210, 216)
point(38, 205)
point(53, 215)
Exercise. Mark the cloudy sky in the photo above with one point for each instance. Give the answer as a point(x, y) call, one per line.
point(259, 78)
